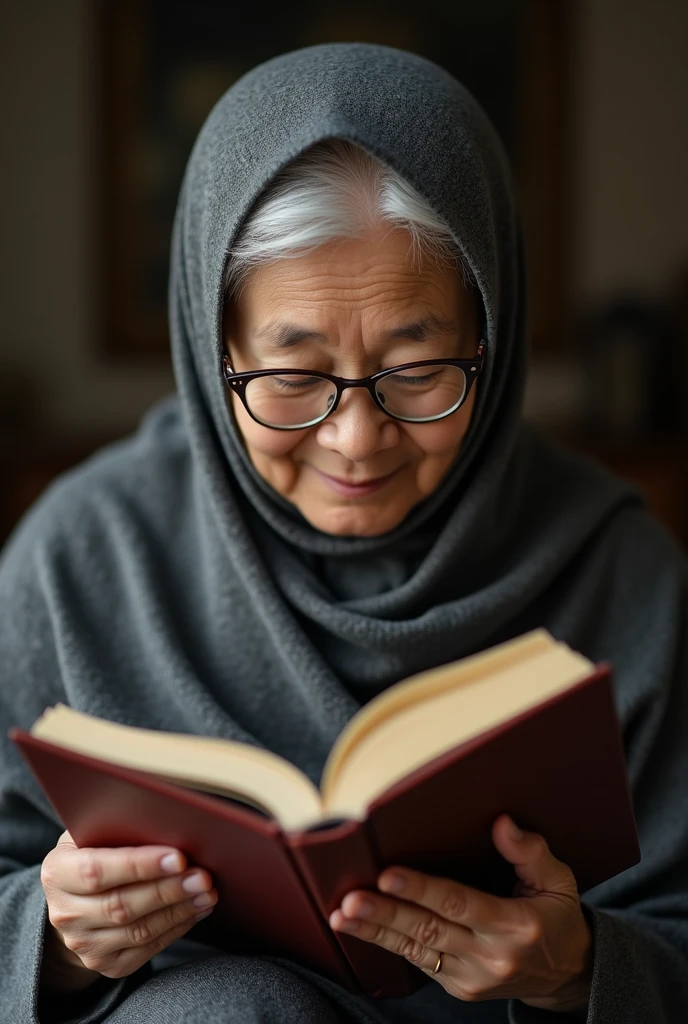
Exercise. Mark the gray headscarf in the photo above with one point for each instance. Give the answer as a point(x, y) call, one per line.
point(378, 607)
point(163, 584)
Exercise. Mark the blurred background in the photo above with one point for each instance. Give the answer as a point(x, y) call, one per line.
point(101, 101)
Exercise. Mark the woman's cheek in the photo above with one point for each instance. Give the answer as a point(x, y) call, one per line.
point(272, 444)
point(272, 459)
point(441, 438)
point(438, 445)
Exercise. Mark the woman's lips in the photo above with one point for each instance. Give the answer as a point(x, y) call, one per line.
point(355, 490)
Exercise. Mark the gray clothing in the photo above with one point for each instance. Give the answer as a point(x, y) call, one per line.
point(163, 584)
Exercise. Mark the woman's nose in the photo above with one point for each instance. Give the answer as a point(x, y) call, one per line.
point(358, 429)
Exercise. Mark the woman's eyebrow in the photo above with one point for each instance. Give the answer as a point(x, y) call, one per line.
point(424, 328)
point(280, 334)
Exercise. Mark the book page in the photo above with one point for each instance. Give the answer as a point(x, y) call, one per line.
point(212, 765)
point(425, 685)
point(415, 735)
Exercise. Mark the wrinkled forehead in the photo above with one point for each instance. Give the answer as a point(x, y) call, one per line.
point(398, 107)
point(371, 286)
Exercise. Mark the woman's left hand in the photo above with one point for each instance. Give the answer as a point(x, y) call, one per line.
point(535, 946)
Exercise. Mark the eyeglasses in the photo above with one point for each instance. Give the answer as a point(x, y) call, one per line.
point(294, 399)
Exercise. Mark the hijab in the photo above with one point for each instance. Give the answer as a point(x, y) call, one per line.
point(467, 565)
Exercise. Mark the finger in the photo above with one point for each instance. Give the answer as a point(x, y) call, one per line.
point(536, 866)
point(460, 904)
point(66, 842)
point(119, 963)
point(85, 871)
point(425, 926)
point(146, 932)
point(126, 904)
point(411, 949)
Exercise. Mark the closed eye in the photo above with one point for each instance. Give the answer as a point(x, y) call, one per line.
point(294, 383)
point(417, 379)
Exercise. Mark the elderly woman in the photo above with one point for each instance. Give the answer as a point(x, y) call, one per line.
point(342, 494)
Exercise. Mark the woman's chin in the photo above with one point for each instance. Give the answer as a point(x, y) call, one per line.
point(355, 519)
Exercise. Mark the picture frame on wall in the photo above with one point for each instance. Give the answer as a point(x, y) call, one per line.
point(165, 63)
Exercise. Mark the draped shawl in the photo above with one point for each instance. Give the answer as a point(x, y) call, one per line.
point(163, 583)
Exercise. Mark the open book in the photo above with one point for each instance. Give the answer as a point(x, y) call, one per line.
point(404, 728)
point(417, 777)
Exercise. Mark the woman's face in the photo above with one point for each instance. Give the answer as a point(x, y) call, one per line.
point(352, 308)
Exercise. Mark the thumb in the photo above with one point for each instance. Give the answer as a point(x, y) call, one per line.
point(537, 868)
point(66, 841)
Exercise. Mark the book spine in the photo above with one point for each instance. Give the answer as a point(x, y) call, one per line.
point(333, 861)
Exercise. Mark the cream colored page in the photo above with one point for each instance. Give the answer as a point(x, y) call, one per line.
point(421, 687)
point(221, 765)
point(415, 736)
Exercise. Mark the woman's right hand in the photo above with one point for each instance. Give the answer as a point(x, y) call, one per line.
point(111, 910)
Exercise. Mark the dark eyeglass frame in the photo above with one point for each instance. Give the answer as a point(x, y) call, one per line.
point(237, 382)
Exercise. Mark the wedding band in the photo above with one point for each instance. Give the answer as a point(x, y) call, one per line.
point(438, 965)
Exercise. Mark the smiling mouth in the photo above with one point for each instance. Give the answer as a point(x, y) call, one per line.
point(355, 488)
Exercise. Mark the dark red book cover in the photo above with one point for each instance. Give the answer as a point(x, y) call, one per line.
point(263, 905)
point(558, 769)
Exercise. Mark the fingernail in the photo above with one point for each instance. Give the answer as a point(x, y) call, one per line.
point(514, 831)
point(206, 913)
point(205, 899)
point(194, 883)
point(349, 924)
point(364, 908)
point(392, 883)
point(343, 924)
point(171, 863)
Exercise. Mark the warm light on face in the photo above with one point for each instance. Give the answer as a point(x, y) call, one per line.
point(352, 308)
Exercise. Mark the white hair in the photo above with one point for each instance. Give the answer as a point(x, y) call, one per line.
point(335, 191)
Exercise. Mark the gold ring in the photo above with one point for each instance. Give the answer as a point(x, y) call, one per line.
point(438, 965)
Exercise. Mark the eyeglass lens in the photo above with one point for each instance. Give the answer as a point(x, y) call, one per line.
point(417, 394)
